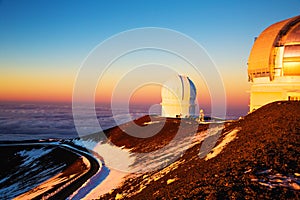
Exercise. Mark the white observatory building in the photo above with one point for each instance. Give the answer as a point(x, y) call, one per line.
point(274, 64)
point(178, 97)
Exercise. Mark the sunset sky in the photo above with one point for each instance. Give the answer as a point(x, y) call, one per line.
point(44, 43)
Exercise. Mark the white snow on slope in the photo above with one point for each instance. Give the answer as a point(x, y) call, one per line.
point(279, 180)
point(30, 156)
point(227, 139)
point(123, 164)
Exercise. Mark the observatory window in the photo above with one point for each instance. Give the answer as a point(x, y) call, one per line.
point(291, 60)
point(294, 98)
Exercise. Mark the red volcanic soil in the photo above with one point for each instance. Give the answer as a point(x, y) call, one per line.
point(262, 162)
point(163, 133)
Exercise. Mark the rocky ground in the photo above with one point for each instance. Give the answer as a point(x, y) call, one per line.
point(259, 161)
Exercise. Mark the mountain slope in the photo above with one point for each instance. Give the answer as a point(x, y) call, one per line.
point(255, 157)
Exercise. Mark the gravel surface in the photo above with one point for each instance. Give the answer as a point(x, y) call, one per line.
point(260, 162)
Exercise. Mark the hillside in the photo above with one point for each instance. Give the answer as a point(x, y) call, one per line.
point(258, 159)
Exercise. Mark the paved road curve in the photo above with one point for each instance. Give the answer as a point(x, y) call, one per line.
point(63, 191)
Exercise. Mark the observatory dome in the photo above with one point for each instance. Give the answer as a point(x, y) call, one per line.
point(178, 97)
point(274, 64)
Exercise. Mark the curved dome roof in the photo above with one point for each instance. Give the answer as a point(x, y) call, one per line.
point(179, 88)
point(277, 46)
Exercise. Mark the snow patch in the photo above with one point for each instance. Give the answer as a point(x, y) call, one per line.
point(278, 180)
point(227, 139)
point(30, 156)
point(151, 122)
point(115, 157)
point(169, 181)
point(88, 144)
point(113, 180)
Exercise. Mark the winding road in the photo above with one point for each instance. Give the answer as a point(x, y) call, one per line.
point(63, 191)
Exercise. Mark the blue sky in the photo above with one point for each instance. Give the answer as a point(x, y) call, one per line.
point(73, 28)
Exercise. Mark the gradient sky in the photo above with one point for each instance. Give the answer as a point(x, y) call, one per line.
point(43, 43)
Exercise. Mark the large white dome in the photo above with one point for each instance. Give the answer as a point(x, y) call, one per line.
point(178, 97)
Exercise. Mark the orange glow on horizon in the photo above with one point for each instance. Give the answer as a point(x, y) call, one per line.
point(149, 94)
point(36, 87)
point(58, 87)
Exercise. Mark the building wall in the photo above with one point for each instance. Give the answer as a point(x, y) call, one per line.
point(264, 91)
point(259, 99)
point(175, 110)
